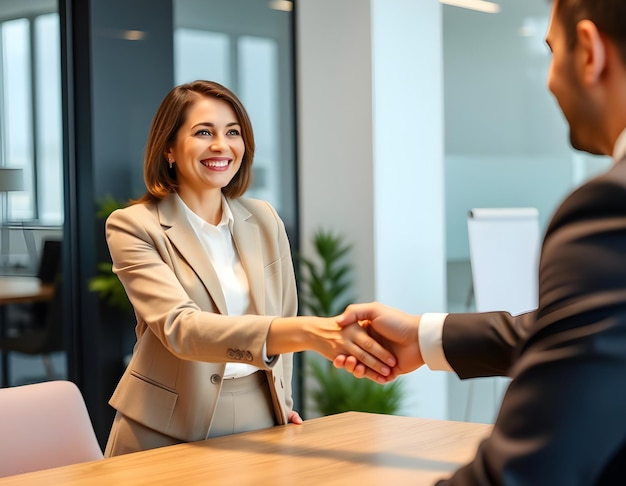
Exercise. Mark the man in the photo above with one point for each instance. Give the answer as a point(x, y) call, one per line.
point(563, 417)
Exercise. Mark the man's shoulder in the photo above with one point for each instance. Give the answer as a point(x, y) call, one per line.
point(602, 196)
point(606, 187)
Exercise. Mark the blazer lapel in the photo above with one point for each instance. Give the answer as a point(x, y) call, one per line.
point(184, 239)
point(248, 243)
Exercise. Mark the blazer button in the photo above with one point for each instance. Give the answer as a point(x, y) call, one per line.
point(248, 356)
point(231, 353)
point(215, 379)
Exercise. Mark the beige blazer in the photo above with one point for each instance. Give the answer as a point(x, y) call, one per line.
point(184, 337)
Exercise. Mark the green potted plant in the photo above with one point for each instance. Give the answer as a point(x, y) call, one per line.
point(105, 283)
point(325, 282)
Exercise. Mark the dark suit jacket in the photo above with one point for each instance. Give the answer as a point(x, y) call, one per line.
point(563, 417)
point(184, 337)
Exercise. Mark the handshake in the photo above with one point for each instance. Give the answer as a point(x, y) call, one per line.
point(389, 346)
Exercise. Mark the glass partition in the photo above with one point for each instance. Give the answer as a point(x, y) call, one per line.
point(31, 142)
point(506, 145)
point(247, 46)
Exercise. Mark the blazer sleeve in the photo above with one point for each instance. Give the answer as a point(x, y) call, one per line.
point(562, 419)
point(181, 317)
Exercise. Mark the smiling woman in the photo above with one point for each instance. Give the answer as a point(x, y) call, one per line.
point(210, 276)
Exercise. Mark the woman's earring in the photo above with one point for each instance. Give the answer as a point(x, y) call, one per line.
point(171, 162)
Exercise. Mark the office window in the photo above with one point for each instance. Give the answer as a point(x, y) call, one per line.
point(249, 66)
point(247, 46)
point(30, 115)
point(258, 88)
point(48, 118)
point(17, 143)
point(198, 53)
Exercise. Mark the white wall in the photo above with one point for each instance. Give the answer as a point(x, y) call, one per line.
point(408, 173)
point(371, 152)
point(334, 89)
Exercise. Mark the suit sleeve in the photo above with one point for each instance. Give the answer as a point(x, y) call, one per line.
point(562, 419)
point(484, 344)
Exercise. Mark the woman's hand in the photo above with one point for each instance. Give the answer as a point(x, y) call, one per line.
point(332, 340)
point(294, 418)
point(325, 336)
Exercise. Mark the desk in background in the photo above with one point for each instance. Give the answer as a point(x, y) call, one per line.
point(352, 448)
point(16, 290)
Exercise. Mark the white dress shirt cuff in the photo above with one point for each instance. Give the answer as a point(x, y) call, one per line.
point(269, 361)
point(430, 338)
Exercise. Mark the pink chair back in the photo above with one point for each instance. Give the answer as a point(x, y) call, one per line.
point(44, 425)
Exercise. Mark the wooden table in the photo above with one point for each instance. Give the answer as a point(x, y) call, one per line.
point(346, 449)
point(15, 290)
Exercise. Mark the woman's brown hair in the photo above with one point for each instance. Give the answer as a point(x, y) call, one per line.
point(160, 180)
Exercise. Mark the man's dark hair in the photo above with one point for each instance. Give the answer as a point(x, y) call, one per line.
point(609, 16)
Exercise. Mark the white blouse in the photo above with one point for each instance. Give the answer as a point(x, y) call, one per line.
point(220, 247)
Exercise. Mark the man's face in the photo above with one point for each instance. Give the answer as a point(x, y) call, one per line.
point(564, 81)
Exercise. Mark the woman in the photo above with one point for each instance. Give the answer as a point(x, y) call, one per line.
point(211, 279)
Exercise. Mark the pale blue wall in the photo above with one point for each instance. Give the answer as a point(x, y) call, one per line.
point(506, 140)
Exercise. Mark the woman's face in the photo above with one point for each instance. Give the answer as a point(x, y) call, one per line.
point(209, 147)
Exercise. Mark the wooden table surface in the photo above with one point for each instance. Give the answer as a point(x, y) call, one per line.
point(23, 289)
point(352, 448)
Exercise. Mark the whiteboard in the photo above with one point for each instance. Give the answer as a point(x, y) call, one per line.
point(504, 255)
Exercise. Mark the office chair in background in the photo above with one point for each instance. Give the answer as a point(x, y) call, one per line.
point(50, 261)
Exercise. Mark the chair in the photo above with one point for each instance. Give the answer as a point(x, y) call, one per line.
point(44, 425)
point(48, 270)
point(50, 261)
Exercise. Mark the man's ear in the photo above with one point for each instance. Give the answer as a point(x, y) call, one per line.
point(592, 51)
